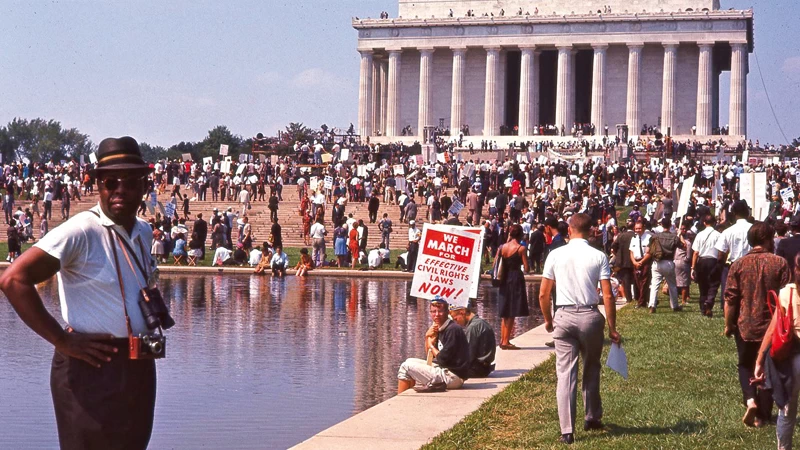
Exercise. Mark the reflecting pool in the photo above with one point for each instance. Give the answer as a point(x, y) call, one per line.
point(253, 362)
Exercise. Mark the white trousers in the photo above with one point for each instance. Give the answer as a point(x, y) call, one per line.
point(663, 270)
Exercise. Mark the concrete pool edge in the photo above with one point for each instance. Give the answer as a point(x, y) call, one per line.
point(188, 270)
point(404, 421)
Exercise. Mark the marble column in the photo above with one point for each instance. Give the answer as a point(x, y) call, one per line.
point(384, 95)
point(425, 70)
point(738, 101)
point(491, 126)
point(364, 94)
point(528, 91)
point(571, 91)
point(668, 88)
point(633, 113)
point(599, 87)
point(457, 102)
point(704, 89)
point(376, 96)
point(563, 88)
point(392, 94)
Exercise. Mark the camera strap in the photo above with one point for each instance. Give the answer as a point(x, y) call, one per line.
point(121, 285)
point(125, 246)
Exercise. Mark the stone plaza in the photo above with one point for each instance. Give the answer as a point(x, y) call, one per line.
point(511, 68)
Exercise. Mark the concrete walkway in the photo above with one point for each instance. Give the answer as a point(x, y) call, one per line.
point(405, 421)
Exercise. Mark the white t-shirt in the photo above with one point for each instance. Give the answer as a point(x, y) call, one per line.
point(88, 286)
point(577, 268)
point(317, 231)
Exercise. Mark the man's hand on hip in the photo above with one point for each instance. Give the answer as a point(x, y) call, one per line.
point(87, 347)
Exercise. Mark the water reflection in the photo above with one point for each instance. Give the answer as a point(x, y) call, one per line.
point(253, 362)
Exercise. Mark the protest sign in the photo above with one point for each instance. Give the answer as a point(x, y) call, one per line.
point(312, 184)
point(667, 183)
point(208, 160)
point(327, 158)
point(169, 210)
point(262, 157)
point(344, 155)
point(787, 194)
point(223, 149)
point(686, 196)
point(240, 169)
point(448, 264)
point(708, 172)
point(561, 183)
point(455, 208)
point(243, 158)
point(399, 170)
point(400, 184)
point(274, 159)
point(186, 156)
point(328, 182)
point(797, 177)
point(419, 159)
point(93, 158)
point(225, 166)
point(440, 158)
point(431, 171)
point(361, 171)
point(753, 189)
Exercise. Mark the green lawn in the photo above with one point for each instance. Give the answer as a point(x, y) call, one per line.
point(683, 392)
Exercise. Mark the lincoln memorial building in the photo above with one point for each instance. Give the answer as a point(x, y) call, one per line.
point(512, 67)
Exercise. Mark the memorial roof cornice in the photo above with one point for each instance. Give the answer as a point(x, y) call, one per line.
point(400, 22)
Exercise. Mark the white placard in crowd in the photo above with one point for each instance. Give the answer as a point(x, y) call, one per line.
point(560, 183)
point(240, 169)
point(399, 169)
point(93, 158)
point(326, 158)
point(542, 160)
point(344, 155)
point(328, 182)
point(456, 207)
point(440, 158)
point(361, 171)
point(787, 194)
point(243, 158)
point(208, 160)
point(223, 149)
point(431, 171)
point(752, 189)
point(312, 184)
point(169, 209)
point(745, 156)
point(686, 196)
point(225, 167)
point(400, 184)
point(667, 183)
point(186, 156)
point(708, 172)
point(448, 264)
point(797, 177)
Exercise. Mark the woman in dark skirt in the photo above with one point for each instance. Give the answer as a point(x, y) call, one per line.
point(513, 294)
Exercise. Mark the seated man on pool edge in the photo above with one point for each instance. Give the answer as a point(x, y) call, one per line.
point(481, 340)
point(448, 344)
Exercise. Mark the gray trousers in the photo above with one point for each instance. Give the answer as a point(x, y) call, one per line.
point(578, 332)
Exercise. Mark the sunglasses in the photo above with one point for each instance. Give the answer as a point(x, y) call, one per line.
point(128, 182)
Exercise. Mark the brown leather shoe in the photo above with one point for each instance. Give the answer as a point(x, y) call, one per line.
point(652, 310)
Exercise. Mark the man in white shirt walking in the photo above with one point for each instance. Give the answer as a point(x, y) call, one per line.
point(318, 233)
point(577, 327)
point(706, 267)
point(732, 242)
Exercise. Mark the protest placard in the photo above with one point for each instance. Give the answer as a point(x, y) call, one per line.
point(262, 157)
point(240, 169)
point(787, 194)
point(399, 169)
point(797, 177)
point(455, 208)
point(328, 182)
point(708, 172)
point(419, 159)
point(274, 159)
point(440, 158)
point(313, 184)
point(561, 183)
point(223, 149)
point(344, 155)
point(243, 158)
point(169, 209)
point(208, 160)
point(186, 156)
point(327, 158)
point(448, 264)
point(686, 196)
point(361, 171)
point(752, 189)
point(431, 171)
point(400, 184)
point(667, 183)
point(93, 158)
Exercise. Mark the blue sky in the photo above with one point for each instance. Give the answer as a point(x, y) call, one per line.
point(166, 72)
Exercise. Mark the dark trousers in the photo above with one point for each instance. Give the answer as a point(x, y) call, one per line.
point(708, 272)
point(109, 407)
point(723, 281)
point(373, 216)
point(48, 209)
point(413, 248)
point(625, 277)
point(641, 285)
point(748, 352)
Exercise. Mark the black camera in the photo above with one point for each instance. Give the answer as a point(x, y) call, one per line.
point(154, 309)
point(147, 346)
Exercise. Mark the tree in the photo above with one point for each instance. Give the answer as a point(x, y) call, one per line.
point(42, 140)
point(297, 132)
point(152, 153)
point(220, 135)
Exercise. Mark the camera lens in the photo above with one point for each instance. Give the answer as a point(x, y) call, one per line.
point(146, 339)
point(156, 348)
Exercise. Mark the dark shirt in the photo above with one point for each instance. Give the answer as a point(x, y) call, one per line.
point(789, 248)
point(277, 238)
point(201, 228)
point(482, 347)
point(454, 350)
point(749, 279)
point(622, 256)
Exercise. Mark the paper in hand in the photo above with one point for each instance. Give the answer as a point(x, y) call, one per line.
point(618, 360)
